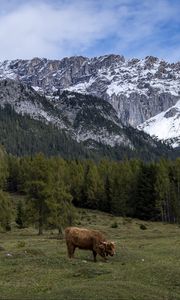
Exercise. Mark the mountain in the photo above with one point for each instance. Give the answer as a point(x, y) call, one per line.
point(83, 117)
point(136, 89)
point(23, 99)
point(30, 123)
point(22, 135)
point(165, 126)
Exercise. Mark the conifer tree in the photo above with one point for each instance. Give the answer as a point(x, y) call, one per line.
point(175, 190)
point(13, 180)
point(122, 185)
point(145, 207)
point(37, 186)
point(21, 217)
point(76, 178)
point(162, 187)
point(61, 210)
point(59, 202)
point(6, 211)
point(92, 187)
point(3, 168)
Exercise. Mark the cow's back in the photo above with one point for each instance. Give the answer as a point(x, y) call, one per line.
point(82, 238)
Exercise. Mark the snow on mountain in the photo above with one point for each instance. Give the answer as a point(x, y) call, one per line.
point(165, 126)
point(137, 89)
point(25, 101)
point(91, 119)
point(131, 76)
point(82, 117)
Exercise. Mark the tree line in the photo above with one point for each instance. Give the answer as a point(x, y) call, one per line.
point(53, 187)
point(21, 135)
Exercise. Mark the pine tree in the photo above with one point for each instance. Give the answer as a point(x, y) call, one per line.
point(6, 211)
point(105, 170)
point(92, 190)
point(61, 210)
point(37, 187)
point(106, 204)
point(145, 206)
point(122, 188)
point(3, 168)
point(21, 217)
point(162, 187)
point(13, 179)
point(59, 202)
point(76, 178)
point(174, 176)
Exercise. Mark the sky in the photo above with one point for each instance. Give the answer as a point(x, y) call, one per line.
point(59, 28)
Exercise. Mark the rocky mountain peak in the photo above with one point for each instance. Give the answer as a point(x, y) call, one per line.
point(138, 89)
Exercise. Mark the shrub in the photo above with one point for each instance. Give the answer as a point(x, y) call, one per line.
point(143, 227)
point(21, 244)
point(79, 223)
point(1, 248)
point(114, 225)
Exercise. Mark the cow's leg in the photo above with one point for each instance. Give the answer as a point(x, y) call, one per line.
point(71, 250)
point(94, 254)
point(68, 249)
point(103, 255)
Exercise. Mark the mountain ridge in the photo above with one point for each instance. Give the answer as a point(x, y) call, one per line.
point(137, 89)
point(87, 120)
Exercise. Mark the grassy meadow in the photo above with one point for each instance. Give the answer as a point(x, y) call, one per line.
point(146, 264)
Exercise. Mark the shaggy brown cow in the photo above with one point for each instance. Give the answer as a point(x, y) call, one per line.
point(88, 240)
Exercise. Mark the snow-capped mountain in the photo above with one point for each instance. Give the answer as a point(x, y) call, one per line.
point(165, 126)
point(89, 121)
point(84, 118)
point(137, 89)
point(24, 100)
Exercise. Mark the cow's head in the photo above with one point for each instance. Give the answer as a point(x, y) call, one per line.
point(108, 248)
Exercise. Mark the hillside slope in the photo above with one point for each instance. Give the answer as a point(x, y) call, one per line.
point(22, 135)
point(141, 269)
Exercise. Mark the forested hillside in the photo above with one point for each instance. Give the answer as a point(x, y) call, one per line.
point(53, 187)
point(22, 135)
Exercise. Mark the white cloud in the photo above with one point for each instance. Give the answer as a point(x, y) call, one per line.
point(58, 28)
point(145, 29)
point(43, 30)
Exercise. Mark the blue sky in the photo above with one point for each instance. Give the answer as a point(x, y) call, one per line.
point(59, 28)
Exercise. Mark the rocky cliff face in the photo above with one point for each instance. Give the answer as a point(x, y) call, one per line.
point(24, 100)
point(137, 89)
point(83, 118)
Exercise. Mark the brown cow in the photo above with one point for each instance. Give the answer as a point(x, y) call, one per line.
point(88, 240)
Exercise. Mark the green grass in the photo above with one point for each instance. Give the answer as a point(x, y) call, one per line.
point(146, 265)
